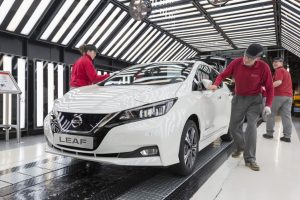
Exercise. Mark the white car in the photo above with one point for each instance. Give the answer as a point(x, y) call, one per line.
point(156, 114)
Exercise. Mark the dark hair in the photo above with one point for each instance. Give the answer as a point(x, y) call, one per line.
point(87, 47)
point(278, 59)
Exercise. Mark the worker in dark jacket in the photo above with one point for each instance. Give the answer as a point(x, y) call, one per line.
point(250, 75)
point(83, 71)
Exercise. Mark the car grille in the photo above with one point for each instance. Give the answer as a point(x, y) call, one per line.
point(78, 122)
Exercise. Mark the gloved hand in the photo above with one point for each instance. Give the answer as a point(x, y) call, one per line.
point(266, 111)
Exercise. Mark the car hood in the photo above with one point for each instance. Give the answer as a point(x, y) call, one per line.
point(109, 99)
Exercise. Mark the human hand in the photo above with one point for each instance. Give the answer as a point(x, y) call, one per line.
point(266, 111)
point(212, 87)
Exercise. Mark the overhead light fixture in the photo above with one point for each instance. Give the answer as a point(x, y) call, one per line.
point(35, 17)
point(69, 20)
point(95, 25)
point(146, 46)
point(140, 9)
point(133, 47)
point(80, 22)
point(110, 29)
point(118, 36)
point(4, 8)
point(14, 23)
point(104, 26)
point(130, 39)
point(56, 19)
point(124, 37)
point(217, 2)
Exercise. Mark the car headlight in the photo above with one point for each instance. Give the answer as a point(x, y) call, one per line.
point(145, 112)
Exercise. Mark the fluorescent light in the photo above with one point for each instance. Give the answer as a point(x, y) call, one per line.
point(69, 20)
point(111, 28)
point(111, 43)
point(124, 37)
point(145, 46)
point(246, 17)
point(94, 26)
point(57, 18)
point(175, 16)
point(22, 86)
point(172, 51)
point(150, 51)
point(7, 66)
point(159, 50)
point(180, 53)
point(14, 23)
point(167, 9)
point(180, 21)
point(4, 8)
point(233, 13)
point(137, 42)
point(50, 86)
point(81, 21)
point(130, 39)
point(172, 24)
point(170, 13)
point(35, 16)
point(247, 27)
point(60, 80)
point(39, 93)
point(166, 51)
point(248, 23)
point(184, 54)
point(237, 5)
point(103, 27)
point(176, 27)
point(239, 16)
point(137, 49)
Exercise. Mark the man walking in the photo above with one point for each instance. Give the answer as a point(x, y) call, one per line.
point(282, 102)
point(250, 75)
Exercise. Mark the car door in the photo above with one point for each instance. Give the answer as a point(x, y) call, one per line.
point(206, 105)
point(222, 104)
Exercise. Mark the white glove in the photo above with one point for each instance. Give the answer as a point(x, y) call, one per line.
point(266, 111)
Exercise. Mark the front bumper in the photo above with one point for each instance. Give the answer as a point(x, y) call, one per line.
point(161, 132)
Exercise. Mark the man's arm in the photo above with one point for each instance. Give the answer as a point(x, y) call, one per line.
point(226, 73)
point(277, 83)
point(269, 86)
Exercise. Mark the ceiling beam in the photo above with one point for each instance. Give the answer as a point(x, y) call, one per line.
point(213, 22)
point(277, 18)
point(121, 5)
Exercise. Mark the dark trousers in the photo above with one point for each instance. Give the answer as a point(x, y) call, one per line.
point(249, 107)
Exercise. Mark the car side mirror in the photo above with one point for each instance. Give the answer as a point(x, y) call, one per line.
point(206, 83)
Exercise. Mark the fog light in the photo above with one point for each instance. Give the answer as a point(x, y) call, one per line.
point(150, 151)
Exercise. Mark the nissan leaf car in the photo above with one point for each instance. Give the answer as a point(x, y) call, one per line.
point(155, 114)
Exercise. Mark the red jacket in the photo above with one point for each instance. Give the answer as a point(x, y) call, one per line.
point(286, 86)
point(84, 72)
point(249, 80)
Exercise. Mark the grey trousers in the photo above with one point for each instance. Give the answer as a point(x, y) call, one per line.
point(250, 107)
point(283, 105)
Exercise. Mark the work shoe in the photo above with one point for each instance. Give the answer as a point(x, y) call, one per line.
point(253, 165)
point(285, 139)
point(267, 136)
point(236, 153)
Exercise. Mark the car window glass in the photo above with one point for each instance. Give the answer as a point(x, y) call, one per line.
point(151, 74)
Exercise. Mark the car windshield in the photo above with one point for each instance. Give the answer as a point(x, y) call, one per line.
point(151, 74)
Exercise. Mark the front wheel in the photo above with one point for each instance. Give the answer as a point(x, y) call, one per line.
point(188, 150)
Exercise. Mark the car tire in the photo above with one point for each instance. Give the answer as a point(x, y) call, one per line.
point(188, 150)
point(227, 137)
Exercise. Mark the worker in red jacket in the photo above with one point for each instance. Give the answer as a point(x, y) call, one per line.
point(282, 103)
point(83, 71)
point(250, 74)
